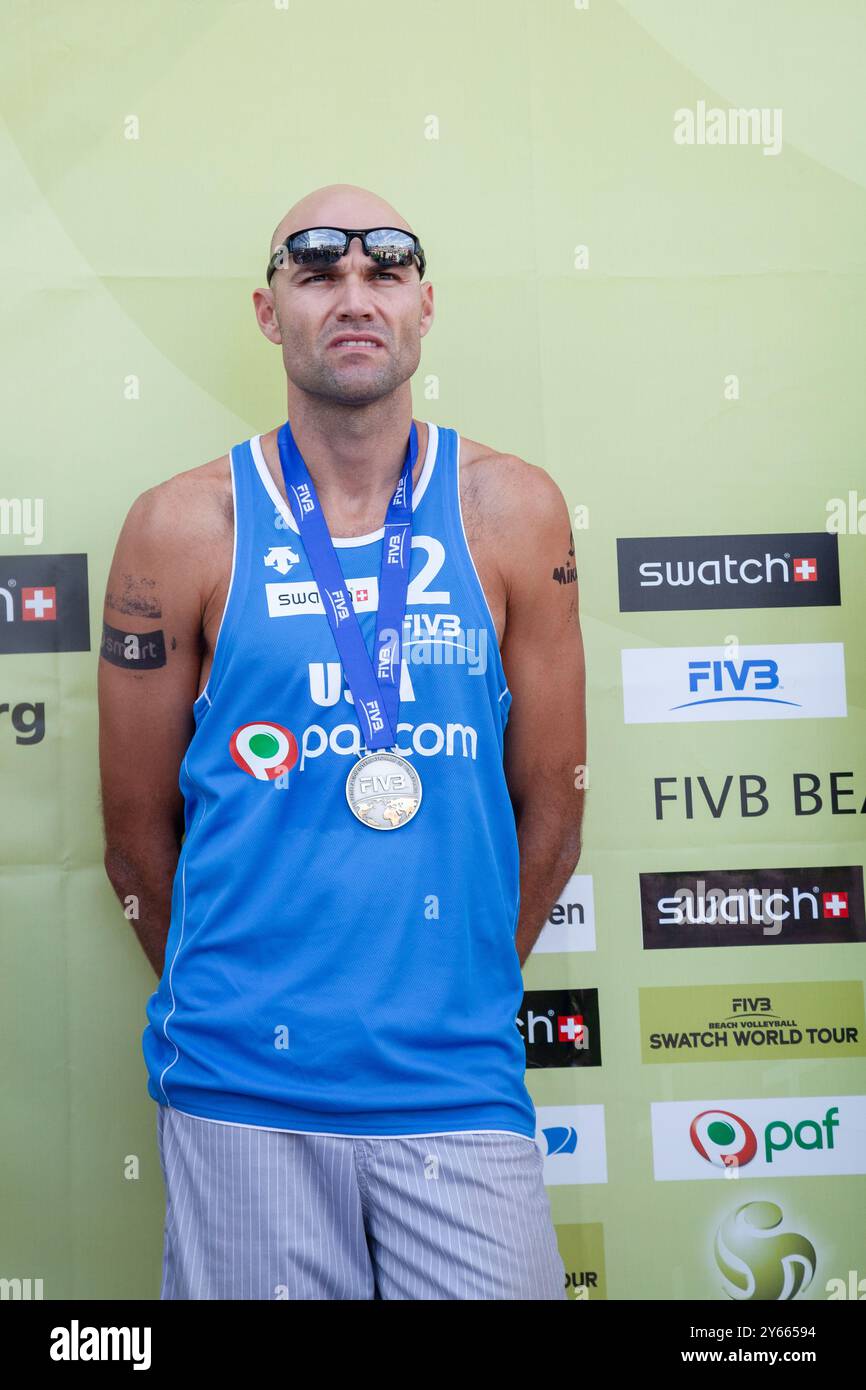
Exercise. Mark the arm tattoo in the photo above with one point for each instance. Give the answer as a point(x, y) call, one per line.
point(137, 651)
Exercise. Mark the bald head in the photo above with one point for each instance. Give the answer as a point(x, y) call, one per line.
point(338, 205)
point(306, 307)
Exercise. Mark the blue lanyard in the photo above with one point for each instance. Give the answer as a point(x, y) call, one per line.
point(375, 688)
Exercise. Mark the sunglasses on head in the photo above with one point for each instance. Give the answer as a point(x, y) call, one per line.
point(324, 245)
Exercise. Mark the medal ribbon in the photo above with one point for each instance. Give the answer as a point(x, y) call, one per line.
point(375, 684)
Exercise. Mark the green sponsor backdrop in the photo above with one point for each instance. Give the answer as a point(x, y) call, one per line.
point(147, 152)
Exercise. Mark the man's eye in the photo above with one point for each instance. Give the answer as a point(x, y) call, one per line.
point(326, 275)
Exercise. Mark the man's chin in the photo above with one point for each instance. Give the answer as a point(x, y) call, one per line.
point(357, 387)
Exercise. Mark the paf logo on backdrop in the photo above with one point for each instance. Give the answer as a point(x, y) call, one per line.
point(803, 1136)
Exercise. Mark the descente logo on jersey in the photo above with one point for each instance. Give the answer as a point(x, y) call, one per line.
point(282, 558)
point(264, 749)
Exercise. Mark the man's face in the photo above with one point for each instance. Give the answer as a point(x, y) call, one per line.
point(317, 306)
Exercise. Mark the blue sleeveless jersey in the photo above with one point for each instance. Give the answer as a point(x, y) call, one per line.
point(321, 975)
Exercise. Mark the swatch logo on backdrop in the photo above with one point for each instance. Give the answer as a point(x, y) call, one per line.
point(797, 569)
point(44, 604)
point(752, 907)
point(672, 685)
point(560, 1028)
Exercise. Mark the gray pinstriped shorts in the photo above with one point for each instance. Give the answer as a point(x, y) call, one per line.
point(273, 1214)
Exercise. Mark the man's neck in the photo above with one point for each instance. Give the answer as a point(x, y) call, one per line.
point(354, 454)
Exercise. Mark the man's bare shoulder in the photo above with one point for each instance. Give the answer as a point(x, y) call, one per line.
point(505, 490)
point(192, 505)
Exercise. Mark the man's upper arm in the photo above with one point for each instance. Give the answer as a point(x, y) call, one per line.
point(149, 666)
point(542, 650)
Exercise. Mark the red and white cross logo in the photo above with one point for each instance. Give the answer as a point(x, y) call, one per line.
point(38, 605)
point(571, 1028)
point(835, 904)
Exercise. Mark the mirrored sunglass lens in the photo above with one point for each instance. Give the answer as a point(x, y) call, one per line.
point(318, 244)
point(390, 247)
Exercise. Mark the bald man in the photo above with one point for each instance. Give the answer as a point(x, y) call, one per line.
point(348, 656)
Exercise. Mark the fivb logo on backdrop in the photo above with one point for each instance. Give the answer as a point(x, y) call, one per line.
point(798, 680)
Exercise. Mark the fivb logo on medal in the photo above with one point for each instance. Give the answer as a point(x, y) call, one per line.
point(389, 655)
point(394, 548)
point(374, 715)
point(304, 498)
point(265, 750)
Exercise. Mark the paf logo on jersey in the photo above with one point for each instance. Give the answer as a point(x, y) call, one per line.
point(263, 749)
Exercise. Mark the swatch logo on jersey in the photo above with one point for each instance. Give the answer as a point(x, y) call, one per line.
point(263, 749)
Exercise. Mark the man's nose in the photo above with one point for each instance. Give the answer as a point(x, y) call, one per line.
point(355, 289)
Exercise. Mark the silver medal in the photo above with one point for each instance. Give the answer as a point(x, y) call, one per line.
point(383, 790)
